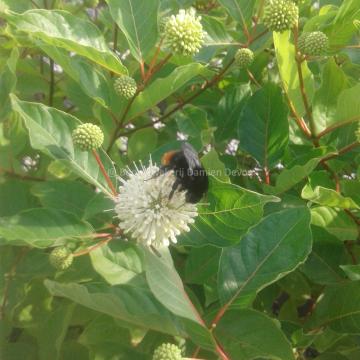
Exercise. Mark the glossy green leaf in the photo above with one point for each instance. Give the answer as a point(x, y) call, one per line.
point(50, 132)
point(161, 88)
point(240, 10)
point(43, 227)
point(327, 197)
point(352, 271)
point(132, 303)
point(228, 110)
point(322, 265)
point(202, 264)
point(142, 143)
point(290, 177)
point(118, 263)
point(15, 196)
point(285, 54)
point(265, 117)
point(166, 285)
point(270, 250)
point(244, 334)
point(335, 222)
point(62, 29)
point(230, 212)
point(94, 82)
point(71, 196)
point(138, 21)
point(51, 333)
point(339, 309)
point(334, 81)
point(8, 83)
point(348, 108)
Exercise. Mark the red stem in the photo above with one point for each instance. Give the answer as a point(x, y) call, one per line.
point(102, 169)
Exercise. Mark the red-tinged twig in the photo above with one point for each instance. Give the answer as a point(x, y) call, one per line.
point(267, 175)
point(142, 70)
point(92, 248)
point(338, 125)
point(342, 151)
point(103, 171)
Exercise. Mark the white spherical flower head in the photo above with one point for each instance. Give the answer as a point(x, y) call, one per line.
point(146, 210)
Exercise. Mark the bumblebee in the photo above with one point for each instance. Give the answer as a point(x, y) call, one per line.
point(190, 174)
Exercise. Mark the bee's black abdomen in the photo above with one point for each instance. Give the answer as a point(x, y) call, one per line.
point(190, 174)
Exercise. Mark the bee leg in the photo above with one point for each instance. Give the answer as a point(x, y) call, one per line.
point(175, 186)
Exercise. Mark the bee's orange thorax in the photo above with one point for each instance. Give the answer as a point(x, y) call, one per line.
point(165, 160)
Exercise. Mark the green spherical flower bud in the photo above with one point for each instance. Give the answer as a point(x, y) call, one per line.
point(125, 86)
point(313, 43)
point(184, 33)
point(167, 352)
point(61, 258)
point(280, 15)
point(244, 58)
point(88, 137)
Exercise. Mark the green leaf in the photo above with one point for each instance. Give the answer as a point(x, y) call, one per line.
point(240, 10)
point(352, 271)
point(52, 331)
point(43, 227)
point(290, 177)
point(166, 285)
point(231, 211)
point(339, 309)
point(138, 21)
point(141, 143)
point(94, 82)
point(50, 132)
point(163, 87)
point(15, 196)
point(248, 334)
point(343, 27)
point(192, 120)
point(334, 81)
point(228, 110)
point(335, 222)
point(132, 303)
point(327, 197)
point(348, 107)
point(264, 118)
point(202, 264)
point(71, 196)
point(8, 83)
point(269, 251)
point(117, 264)
point(322, 265)
point(285, 54)
point(214, 166)
point(62, 29)
point(215, 32)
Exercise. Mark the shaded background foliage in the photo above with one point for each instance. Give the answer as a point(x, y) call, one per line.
point(269, 270)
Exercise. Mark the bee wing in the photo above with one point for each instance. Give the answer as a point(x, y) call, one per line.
point(191, 156)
